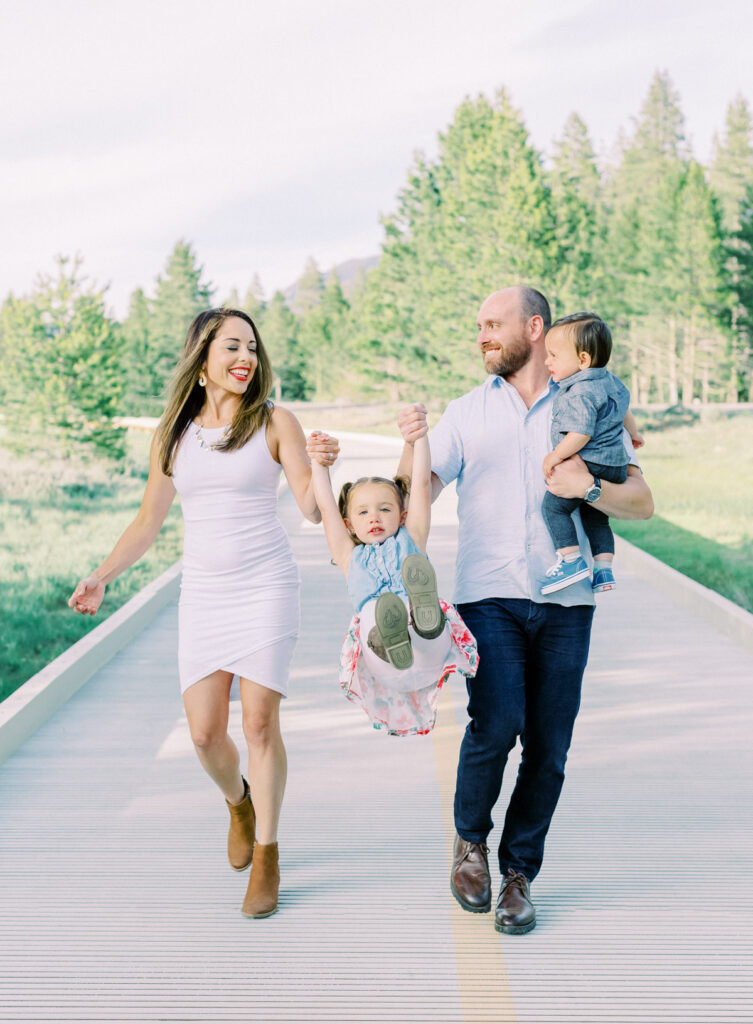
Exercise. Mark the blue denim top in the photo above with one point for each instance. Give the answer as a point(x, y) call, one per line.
point(593, 402)
point(375, 568)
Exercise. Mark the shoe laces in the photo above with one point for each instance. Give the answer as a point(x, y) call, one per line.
point(554, 569)
point(472, 847)
point(515, 879)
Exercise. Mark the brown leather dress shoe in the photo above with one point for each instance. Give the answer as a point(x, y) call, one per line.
point(470, 882)
point(515, 914)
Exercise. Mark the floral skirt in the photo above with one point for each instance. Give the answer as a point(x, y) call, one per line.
point(411, 713)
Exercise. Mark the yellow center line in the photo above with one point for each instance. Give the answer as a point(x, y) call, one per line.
point(482, 976)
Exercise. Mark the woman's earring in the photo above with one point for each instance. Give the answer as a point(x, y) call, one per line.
point(202, 379)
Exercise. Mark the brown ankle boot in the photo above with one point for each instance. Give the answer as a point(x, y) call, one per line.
point(264, 883)
point(241, 837)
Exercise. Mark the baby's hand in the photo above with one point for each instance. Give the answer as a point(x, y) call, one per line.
point(322, 448)
point(550, 462)
point(637, 439)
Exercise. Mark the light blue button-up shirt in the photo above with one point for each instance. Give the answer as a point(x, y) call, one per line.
point(494, 447)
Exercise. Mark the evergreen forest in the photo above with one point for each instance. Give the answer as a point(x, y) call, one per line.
point(658, 244)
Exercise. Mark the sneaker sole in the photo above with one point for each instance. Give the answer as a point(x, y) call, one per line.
point(391, 620)
point(601, 587)
point(467, 906)
point(514, 929)
point(421, 583)
point(552, 588)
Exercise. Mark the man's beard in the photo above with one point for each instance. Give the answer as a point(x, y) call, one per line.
point(510, 359)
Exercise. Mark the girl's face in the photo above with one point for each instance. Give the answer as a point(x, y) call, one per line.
point(562, 358)
point(374, 512)
point(231, 357)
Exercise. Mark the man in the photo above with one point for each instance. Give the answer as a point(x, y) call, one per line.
point(532, 649)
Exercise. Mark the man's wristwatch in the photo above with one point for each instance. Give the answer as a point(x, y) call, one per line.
point(594, 491)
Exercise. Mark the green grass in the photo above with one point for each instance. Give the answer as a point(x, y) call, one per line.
point(60, 518)
point(701, 477)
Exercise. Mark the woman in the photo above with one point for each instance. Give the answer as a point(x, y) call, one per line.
point(220, 445)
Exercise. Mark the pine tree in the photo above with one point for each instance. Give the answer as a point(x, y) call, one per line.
point(641, 245)
point(476, 219)
point(731, 177)
point(279, 332)
point(135, 333)
point(322, 338)
point(254, 303)
point(309, 288)
point(62, 367)
point(577, 207)
point(180, 294)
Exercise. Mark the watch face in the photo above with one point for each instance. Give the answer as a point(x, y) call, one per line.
point(593, 492)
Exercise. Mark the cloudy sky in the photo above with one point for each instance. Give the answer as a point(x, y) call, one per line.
point(267, 132)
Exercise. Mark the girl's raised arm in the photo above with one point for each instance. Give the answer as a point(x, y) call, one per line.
point(418, 520)
point(339, 540)
point(135, 540)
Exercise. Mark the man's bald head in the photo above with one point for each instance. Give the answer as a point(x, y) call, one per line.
point(530, 302)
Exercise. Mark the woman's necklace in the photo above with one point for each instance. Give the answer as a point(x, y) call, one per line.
point(203, 443)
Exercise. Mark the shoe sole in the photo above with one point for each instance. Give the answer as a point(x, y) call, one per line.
point(601, 587)
point(421, 583)
point(259, 917)
point(552, 588)
point(514, 929)
point(244, 866)
point(391, 621)
point(467, 906)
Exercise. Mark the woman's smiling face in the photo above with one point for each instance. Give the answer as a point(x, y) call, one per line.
point(231, 357)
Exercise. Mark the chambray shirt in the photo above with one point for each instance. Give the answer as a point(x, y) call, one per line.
point(594, 402)
point(375, 568)
point(494, 447)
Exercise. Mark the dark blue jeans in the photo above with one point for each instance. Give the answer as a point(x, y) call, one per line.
point(531, 662)
point(558, 515)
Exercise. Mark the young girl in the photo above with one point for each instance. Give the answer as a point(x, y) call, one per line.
point(403, 642)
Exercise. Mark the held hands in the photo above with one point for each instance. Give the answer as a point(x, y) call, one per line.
point(322, 448)
point(88, 595)
point(412, 422)
point(550, 462)
point(570, 479)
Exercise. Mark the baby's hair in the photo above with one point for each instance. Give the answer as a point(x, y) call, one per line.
point(401, 485)
point(590, 334)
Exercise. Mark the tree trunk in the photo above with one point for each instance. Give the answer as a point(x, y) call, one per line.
point(672, 364)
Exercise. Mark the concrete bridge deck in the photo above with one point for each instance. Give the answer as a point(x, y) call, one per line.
point(117, 903)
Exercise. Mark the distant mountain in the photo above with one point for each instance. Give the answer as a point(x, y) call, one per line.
point(347, 275)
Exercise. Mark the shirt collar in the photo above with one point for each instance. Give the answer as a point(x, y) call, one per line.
point(590, 373)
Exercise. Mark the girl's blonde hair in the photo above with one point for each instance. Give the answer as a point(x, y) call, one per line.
point(401, 485)
point(186, 397)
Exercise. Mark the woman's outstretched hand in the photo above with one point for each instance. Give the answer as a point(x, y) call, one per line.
point(88, 595)
point(412, 422)
point(322, 448)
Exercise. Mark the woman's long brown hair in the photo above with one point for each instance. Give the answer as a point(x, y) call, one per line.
point(186, 397)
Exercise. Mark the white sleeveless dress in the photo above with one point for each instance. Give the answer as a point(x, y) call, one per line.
point(240, 591)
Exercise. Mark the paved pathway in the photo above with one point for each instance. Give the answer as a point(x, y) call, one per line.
point(117, 903)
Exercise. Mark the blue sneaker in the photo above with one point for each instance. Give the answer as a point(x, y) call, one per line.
point(564, 574)
point(603, 580)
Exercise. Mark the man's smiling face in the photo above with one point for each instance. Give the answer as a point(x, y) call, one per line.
point(502, 333)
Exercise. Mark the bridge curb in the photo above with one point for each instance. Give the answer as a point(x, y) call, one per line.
point(32, 704)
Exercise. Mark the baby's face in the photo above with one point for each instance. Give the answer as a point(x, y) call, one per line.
point(374, 512)
point(562, 359)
